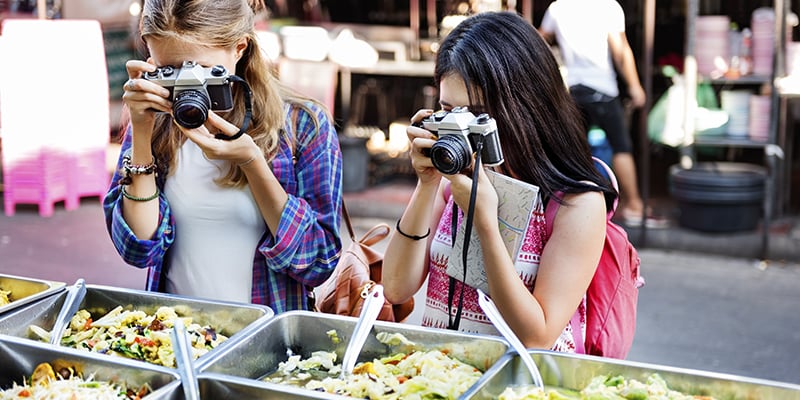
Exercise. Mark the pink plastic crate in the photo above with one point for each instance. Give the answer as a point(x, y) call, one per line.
point(88, 175)
point(41, 179)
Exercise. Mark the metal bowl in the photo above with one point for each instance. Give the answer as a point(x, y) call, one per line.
point(26, 290)
point(228, 318)
point(574, 371)
point(19, 357)
point(258, 354)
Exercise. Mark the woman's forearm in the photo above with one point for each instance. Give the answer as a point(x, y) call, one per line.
point(141, 216)
point(406, 259)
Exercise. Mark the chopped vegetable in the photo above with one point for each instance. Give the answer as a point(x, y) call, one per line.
point(134, 334)
point(46, 384)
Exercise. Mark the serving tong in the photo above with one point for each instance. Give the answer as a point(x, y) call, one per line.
point(75, 295)
point(183, 357)
point(369, 314)
point(493, 313)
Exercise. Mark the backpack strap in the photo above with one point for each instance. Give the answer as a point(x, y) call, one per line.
point(551, 208)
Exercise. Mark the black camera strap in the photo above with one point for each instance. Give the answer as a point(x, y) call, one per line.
point(455, 321)
point(248, 110)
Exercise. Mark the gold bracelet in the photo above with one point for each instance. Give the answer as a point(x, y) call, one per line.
point(141, 199)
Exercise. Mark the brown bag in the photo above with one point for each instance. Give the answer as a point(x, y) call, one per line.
point(359, 269)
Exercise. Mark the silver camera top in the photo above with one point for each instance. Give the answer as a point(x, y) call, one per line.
point(189, 74)
point(483, 125)
point(459, 120)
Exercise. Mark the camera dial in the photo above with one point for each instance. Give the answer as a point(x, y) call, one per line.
point(218, 70)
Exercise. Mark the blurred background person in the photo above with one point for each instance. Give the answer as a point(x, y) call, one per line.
point(594, 49)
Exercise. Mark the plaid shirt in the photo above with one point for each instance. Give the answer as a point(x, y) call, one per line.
point(300, 255)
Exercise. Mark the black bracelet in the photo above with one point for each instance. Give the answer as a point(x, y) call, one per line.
point(412, 237)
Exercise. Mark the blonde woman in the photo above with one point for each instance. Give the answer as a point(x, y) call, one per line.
point(210, 212)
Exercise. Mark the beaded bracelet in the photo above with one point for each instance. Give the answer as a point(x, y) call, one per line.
point(137, 169)
point(412, 237)
point(142, 199)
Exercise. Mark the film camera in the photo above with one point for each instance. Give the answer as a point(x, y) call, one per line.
point(459, 132)
point(194, 90)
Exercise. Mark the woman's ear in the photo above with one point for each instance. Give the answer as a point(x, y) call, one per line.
point(241, 46)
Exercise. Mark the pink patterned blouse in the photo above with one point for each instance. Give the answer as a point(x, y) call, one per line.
point(472, 317)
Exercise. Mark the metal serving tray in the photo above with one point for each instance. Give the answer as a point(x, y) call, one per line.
point(574, 371)
point(217, 386)
point(19, 357)
point(230, 319)
point(26, 290)
point(258, 354)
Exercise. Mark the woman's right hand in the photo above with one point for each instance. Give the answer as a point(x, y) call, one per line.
point(421, 142)
point(144, 98)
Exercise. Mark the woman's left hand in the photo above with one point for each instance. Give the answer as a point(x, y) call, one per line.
point(241, 150)
point(485, 200)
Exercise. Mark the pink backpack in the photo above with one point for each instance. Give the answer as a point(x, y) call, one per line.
point(613, 293)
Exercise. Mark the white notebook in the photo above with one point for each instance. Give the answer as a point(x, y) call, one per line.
point(517, 201)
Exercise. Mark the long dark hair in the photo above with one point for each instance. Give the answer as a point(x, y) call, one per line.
point(510, 70)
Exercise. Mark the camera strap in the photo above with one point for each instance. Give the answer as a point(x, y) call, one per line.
point(248, 110)
point(455, 321)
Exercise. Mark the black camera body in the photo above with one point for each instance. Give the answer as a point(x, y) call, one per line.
point(459, 132)
point(194, 91)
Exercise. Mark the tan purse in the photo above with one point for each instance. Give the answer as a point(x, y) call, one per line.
point(359, 269)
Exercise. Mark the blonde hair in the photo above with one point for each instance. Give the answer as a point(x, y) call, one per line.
point(221, 24)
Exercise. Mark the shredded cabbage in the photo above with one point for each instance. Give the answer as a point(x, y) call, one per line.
point(71, 387)
point(419, 374)
point(604, 387)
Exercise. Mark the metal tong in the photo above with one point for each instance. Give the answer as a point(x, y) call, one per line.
point(369, 313)
point(183, 357)
point(493, 313)
point(75, 294)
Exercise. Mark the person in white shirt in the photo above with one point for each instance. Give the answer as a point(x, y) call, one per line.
point(594, 48)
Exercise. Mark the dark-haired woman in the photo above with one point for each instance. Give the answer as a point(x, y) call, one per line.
point(496, 62)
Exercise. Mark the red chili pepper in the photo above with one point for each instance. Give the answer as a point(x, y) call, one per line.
point(88, 324)
point(144, 341)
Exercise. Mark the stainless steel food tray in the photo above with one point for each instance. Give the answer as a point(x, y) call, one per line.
point(26, 290)
point(573, 371)
point(19, 357)
point(217, 386)
point(229, 319)
point(258, 353)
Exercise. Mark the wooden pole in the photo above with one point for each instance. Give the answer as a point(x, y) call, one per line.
point(646, 68)
point(41, 9)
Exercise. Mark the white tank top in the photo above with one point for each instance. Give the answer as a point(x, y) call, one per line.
point(217, 230)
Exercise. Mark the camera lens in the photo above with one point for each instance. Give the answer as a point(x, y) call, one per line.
point(190, 108)
point(451, 154)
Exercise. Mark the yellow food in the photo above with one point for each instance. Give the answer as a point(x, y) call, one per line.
point(5, 297)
